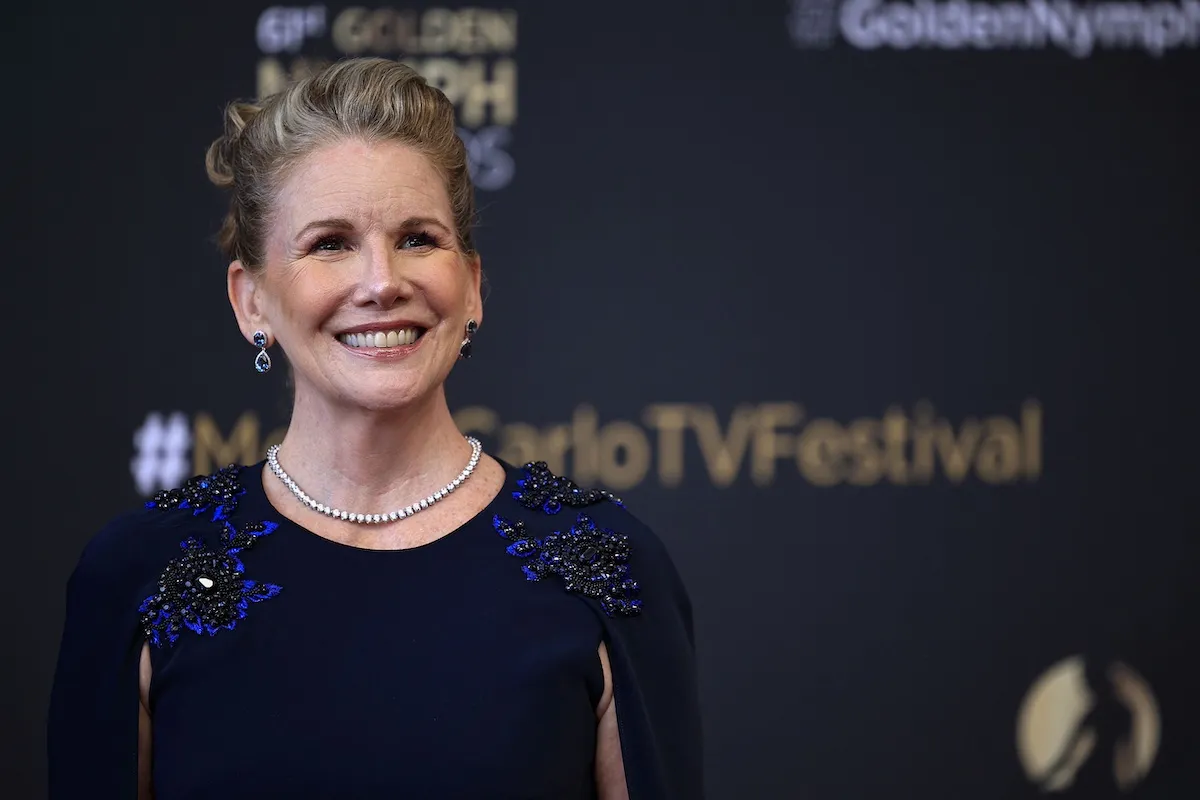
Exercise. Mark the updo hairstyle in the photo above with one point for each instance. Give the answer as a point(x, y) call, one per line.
point(372, 99)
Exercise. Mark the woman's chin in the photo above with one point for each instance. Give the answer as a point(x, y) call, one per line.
point(383, 398)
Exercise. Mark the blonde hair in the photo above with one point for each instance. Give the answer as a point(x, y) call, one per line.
point(373, 99)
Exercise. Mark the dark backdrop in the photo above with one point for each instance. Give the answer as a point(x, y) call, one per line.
point(893, 345)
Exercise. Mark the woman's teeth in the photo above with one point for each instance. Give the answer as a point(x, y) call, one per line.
point(381, 338)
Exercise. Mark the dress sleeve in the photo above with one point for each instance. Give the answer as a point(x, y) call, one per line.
point(92, 723)
point(655, 680)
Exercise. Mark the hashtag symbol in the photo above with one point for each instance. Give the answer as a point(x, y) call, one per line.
point(160, 452)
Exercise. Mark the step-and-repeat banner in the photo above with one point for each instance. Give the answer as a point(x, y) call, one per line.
point(872, 309)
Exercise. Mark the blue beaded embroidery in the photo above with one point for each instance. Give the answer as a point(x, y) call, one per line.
point(221, 489)
point(542, 489)
point(204, 590)
point(591, 561)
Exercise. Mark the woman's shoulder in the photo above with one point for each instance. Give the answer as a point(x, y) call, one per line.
point(133, 546)
point(587, 536)
point(547, 501)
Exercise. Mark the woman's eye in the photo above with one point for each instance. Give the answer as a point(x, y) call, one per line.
point(417, 240)
point(328, 244)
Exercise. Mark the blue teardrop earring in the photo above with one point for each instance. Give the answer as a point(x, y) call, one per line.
point(464, 349)
point(262, 361)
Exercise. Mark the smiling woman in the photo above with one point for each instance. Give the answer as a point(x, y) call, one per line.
point(362, 244)
point(378, 608)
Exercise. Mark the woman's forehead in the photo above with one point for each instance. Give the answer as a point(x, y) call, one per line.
point(362, 183)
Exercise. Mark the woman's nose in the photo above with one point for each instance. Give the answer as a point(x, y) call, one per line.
point(383, 281)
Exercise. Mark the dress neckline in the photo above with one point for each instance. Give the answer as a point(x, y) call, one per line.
point(254, 475)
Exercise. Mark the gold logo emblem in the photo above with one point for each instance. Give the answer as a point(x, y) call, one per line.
point(1088, 726)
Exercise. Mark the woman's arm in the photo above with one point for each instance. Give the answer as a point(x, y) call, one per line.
point(610, 767)
point(145, 790)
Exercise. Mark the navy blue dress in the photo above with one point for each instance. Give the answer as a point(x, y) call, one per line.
point(288, 665)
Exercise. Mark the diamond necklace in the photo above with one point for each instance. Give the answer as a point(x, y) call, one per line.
point(373, 519)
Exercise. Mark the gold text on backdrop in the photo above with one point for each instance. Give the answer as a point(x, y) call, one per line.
point(766, 442)
point(468, 53)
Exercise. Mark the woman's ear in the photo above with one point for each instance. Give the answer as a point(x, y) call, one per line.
point(475, 290)
point(245, 298)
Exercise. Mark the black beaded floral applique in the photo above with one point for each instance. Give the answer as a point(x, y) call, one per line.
point(591, 561)
point(221, 489)
point(202, 590)
point(205, 590)
point(541, 489)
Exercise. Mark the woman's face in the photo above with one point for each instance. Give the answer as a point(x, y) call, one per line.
point(364, 286)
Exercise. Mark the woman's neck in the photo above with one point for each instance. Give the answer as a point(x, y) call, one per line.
point(372, 462)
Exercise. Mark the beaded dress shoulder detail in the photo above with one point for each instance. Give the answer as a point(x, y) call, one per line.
point(205, 589)
point(591, 560)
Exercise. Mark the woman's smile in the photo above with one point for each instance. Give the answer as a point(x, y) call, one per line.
point(384, 341)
